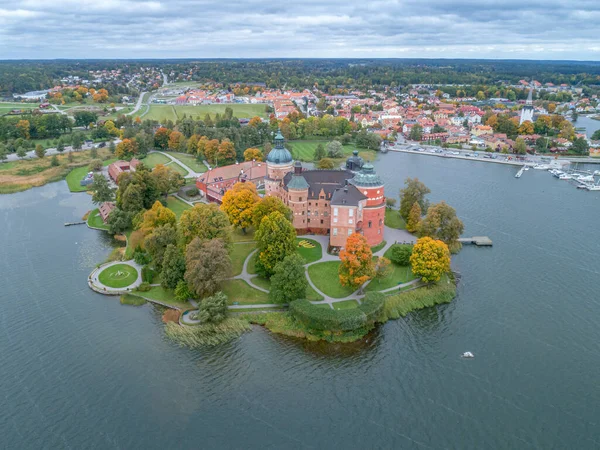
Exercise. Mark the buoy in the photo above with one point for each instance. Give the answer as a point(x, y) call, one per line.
point(467, 355)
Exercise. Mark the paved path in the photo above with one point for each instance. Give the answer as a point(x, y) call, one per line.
point(191, 173)
point(138, 105)
point(95, 284)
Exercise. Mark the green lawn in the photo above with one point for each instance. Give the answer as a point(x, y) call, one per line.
point(393, 219)
point(153, 159)
point(163, 295)
point(378, 247)
point(309, 254)
point(118, 276)
point(346, 304)
point(241, 292)
point(76, 175)
point(311, 294)
point(177, 168)
point(94, 220)
point(177, 206)
point(305, 150)
point(163, 113)
point(238, 254)
point(190, 161)
point(325, 276)
point(399, 275)
point(238, 235)
point(8, 165)
point(252, 265)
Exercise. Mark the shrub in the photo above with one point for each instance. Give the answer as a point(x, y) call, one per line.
point(144, 287)
point(141, 257)
point(327, 319)
point(147, 274)
point(182, 292)
point(95, 165)
point(400, 254)
point(192, 192)
point(213, 309)
point(372, 306)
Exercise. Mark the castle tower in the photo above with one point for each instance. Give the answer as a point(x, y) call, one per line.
point(527, 111)
point(279, 163)
point(373, 214)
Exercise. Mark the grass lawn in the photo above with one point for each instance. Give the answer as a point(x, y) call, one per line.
point(176, 205)
point(346, 304)
point(172, 112)
point(252, 265)
point(8, 165)
point(161, 113)
point(325, 276)
point(94, 220)
point(238, 235)
point(311, 294)
point(163, 295)
point(77, 174)
point(177, 168)
point(376, 248)
point(241, 292)
point(238, 254)
point(393, 219)
point(118, 276)
point(309, 254)
point(132, 300)
point(153, 159)
point(190, 161)
point(305, 150)
point(399, 275)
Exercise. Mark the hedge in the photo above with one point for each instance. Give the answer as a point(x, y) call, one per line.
point(147, 274)
point(324, 319)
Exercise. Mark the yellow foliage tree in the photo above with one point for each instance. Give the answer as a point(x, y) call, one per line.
point(174, 139)
point(255, 121)
point(430, 259)
point(356, 262)
point(253, 154)
point(238, 204)
point(127, 148)
point(157, 216)
point(414, 218)
point(526, 127)
point(23, 127)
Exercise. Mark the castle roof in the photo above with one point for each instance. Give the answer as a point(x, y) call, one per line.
point(298, 182)
point(279, 154)
point(367, 177)
point(326, 181)
point(349, 195)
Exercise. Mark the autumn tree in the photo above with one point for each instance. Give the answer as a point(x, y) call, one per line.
point(23, 127)
point(268, 205)
point(167, 179)
point(288, 282)
point(156, 243)
point(253, 154)
point(526, 128)
point(414, 218)
point(173, 267)
point(414, 192)
point(520, 146)
point(211, 149)
point(174, 140)
point(442, 223)
point(226, 153)
point(157, 216)
point(382, 269)
point(205, 221)
point(276, 239)
point(161, 138)
point(126, 149)
point(255, 121)
point(207, 265)
point(356, 262)
point(326, 163)
point(239, 205)
point(430, 259)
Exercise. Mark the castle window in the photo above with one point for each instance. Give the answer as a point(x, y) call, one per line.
point(308, 220)
point(350, 213)
point(335, 211)
point(300, 199)
point(370, 224)
point(335, 231)
point(350, 221)
point(349, 231)
point(325, 213)
point(309, 203)
point(321, 221)
point(303, 213)
point(380, 222)
point(308, 213)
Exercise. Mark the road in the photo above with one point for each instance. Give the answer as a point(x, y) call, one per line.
point(49, 152)
point(138, 104)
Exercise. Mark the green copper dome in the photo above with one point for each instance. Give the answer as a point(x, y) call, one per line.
point(367, 177)
point(279, 154)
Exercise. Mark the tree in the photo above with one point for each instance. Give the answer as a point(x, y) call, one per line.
point(118, 221)
point(268, 205)
point(400, 254)
point(288, 282)
point(207, 265)
point(40, 151)
point(526, 127)
point(174, 138)
point(23, 127)
point(167, 179)
point(95, 165)
point(253, 154)
point(580, 146)
point(442, 223)
point(390, 202)
point(126, 149)
point(173, 267)
point(414, 192)
point(596, 135)
point(161, 138)
point(356, 262)
point(21, 152)
point(182, 292)
point(157, 242)
point(213, 309)
point(205, 222)
point(54, 161)
point(334, 149)
point(319, 152)
point(157, 216)
point(3, 156)
point(382, 268)
point(239, 205)
point(416, 133)
point(112, 147)
point(60, 147)
point(77, 141)
point(520, 146)
point(84, 118)
point(480, 96)
point(414, 218)
point(226, 152)
point(132, 199)
point(326, 163)
point(101, 190)
point(430, 259)
point(276, 239)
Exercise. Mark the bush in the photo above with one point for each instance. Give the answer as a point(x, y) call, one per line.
point(141, 257)
point(192, 192)
point(400, 254)
point(147, 274)
point(372, 306)
point(182, 292)
point(95, 165)
point(213, 309)
point(327, 319)
point(144, 287)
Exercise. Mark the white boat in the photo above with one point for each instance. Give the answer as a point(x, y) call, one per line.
point(565, 176)
point(541, 167)
point(586, 178)
point(557, 173)
point(467, 355)
point(593, 187)
point(526, 168)
point(596, 172)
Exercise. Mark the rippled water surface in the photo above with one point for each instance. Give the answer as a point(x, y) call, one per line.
point(78, 370)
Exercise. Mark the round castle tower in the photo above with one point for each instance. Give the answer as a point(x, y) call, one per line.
point(279, 163)
point(371, 185)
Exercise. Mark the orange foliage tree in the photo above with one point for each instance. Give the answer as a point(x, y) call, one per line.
point(226, 152)
point(356, 265)
point(174, 139)
point(161, 137)
point(255, 121)
point(253, 154)
point(126, 149)
point(155, 217)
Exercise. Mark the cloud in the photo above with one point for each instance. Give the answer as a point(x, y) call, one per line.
point(550, 29)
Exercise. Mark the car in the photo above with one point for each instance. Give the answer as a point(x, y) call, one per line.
point(468, 155)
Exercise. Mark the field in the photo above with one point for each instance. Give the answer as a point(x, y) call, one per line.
point(190, 161)
point(310, 250)
point(238, 291)
point(153, 159)
point(177, 206)
point(76, 175)
point(94, 220)
point(6, 107)
point(162, 113)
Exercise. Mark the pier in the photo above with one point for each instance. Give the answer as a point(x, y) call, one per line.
point(479, 241)
point(69, 224)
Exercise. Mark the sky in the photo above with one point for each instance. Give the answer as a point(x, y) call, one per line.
point(507, 29)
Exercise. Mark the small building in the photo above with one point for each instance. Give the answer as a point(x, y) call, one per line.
point(215, 182)
point(118, 167)
point(105, 209)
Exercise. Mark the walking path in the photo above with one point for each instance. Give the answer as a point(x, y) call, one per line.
point(95, 284)
point(191, 173)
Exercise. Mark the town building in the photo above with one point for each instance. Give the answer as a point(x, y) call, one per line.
point(118, 167)
point(215, 182)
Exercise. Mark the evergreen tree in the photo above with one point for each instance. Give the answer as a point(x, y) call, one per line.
point(288, 282)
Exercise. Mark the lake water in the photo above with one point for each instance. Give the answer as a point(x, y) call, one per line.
point(78, 370)
point(588, 123)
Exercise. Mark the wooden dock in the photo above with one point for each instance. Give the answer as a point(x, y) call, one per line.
point(69, 224)
point(480, 241)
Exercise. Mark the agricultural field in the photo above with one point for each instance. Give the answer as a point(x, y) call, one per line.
point(6, 107)
point(173, 112)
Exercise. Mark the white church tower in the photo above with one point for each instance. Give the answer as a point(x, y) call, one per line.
point(527, 111)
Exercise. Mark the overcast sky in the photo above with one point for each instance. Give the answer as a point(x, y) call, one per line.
point(549, 29)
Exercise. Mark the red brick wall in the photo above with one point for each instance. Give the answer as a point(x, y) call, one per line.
point(375, 233)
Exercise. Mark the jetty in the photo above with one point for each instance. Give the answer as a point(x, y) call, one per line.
point(70, 224)
point(479, 241)
point(520, 172)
